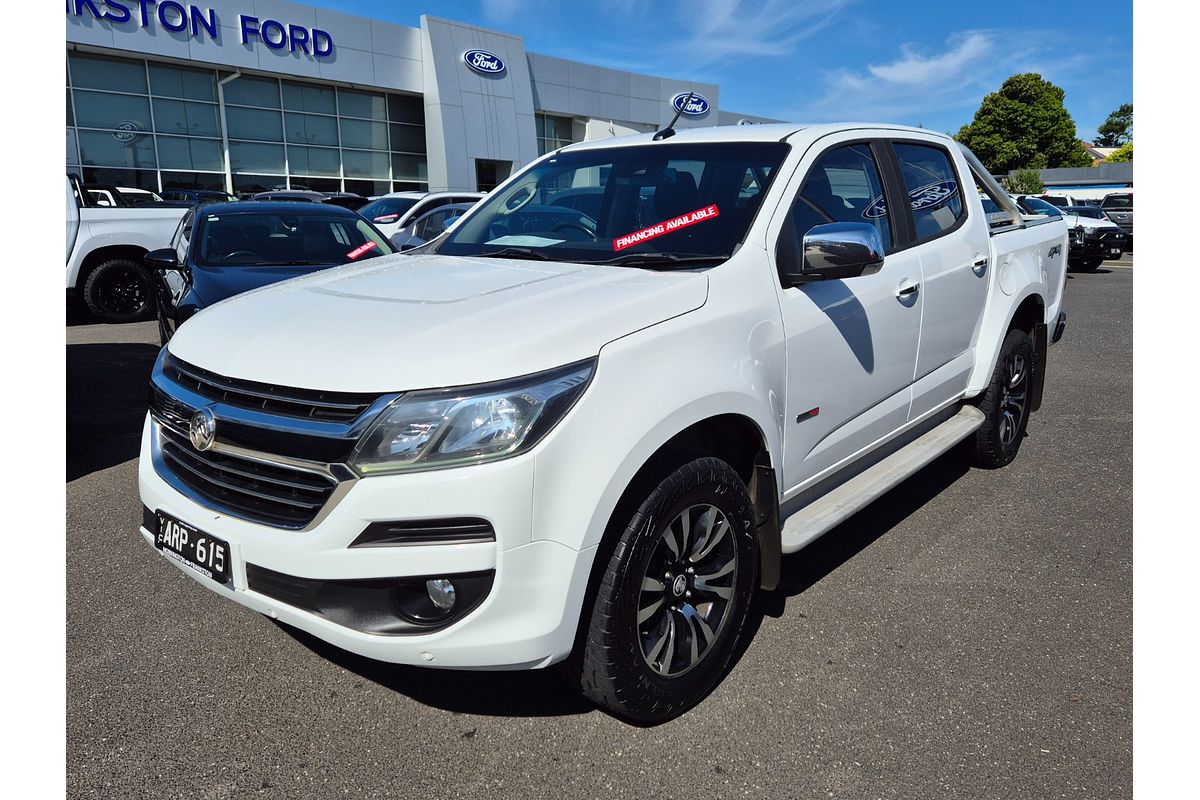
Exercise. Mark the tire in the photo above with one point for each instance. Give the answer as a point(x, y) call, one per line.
point(637, 660)
point(1005, 404)
point(1091, 265)
point(119, 290)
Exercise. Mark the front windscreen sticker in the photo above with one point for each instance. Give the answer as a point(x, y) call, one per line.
point(669, 226)
point(363, 248)
point(923, 198)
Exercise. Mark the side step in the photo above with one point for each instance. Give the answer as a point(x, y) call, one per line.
point(830, 510)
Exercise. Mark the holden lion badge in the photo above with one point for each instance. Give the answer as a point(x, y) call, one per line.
point(202, 429)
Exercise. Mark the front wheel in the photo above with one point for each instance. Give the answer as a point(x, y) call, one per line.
point(674, 596)
point(1005, 403)
point(119, 291)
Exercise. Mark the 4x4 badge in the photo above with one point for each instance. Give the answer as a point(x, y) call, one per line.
point(202, 429)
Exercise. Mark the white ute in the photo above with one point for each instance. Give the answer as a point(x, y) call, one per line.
point(105, 245)
point(557, 436)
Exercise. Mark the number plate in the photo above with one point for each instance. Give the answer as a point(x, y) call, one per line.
point(192, 547)
point(1115, 252)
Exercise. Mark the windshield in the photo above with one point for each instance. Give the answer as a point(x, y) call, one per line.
point(387, 209)
point(269, 239)
point(1087, 211)
point(654, 204)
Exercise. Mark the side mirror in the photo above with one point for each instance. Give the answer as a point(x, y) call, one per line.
point(163, 258)
point(830, 252)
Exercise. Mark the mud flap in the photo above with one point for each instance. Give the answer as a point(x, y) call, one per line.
point(765, 492)
point(1039, 367)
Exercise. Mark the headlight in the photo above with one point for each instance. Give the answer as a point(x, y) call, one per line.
point(466, 425)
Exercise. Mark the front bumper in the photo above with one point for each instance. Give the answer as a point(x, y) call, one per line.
point(521, 623)
point(1109, 244)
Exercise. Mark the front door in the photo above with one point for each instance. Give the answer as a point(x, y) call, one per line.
point(852, 343)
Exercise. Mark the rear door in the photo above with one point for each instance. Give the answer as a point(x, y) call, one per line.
point(952, 247)
point(851, 343)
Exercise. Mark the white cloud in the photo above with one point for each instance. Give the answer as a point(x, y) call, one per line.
point(920, 81)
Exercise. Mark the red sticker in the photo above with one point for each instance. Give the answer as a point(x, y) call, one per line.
point(682, 221)
point(358, 251)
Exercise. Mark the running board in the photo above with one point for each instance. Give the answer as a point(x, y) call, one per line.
point(834, 508)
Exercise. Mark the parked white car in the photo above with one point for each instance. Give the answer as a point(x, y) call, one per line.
point(105, 246)
point(588, 438)
point(393, 212)
point(1094, 238)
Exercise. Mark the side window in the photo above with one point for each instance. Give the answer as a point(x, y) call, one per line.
point(932, 187)
point(431, 226)
point(843, 186)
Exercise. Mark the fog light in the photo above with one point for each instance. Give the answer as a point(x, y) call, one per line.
point(441, 593)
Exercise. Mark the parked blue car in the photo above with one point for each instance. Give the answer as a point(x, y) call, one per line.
point(223, 249)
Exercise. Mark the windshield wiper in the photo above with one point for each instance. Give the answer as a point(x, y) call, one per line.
point(653, 259)
point(516, 252)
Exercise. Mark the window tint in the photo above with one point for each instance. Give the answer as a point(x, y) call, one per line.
point(387, 209)
point(933, 190)
point(283, 237)
point(843, 186)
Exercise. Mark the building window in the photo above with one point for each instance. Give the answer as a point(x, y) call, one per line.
point(552, 132)
point(152, 125)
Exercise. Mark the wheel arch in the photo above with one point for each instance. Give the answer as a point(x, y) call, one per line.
point(102, 255)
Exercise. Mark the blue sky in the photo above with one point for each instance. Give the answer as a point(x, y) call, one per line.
point(926, 63)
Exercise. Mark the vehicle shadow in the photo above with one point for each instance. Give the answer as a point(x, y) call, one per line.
point(106, 403)
point(804, 569)
point(524, 693)
point(538, 693)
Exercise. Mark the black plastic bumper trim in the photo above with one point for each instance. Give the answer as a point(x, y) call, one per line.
point(454, 530)
point(371, 605)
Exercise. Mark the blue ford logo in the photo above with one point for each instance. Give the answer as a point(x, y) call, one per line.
point(484, 62)
point(696, 106)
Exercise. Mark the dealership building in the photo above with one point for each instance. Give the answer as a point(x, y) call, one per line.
point(249, 95)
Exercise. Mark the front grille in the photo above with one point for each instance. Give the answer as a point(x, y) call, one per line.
point(281, 400)
point(271, 493)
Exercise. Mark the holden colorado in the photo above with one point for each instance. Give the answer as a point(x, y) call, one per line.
point(583, 425)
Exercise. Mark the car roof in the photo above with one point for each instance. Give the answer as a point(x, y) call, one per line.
point(277, 207)
point(422, 195)
point(770, 132)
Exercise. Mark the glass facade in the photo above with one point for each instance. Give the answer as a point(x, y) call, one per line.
point(134, 122)
point(552, 132)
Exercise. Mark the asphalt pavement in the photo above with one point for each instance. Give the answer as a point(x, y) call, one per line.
point(967, 636)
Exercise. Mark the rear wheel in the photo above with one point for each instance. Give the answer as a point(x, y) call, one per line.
point(1005, 403)
point(674, 596)
point(119, 291)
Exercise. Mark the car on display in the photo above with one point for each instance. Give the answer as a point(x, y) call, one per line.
point(1093, 238)
point(220, 250)
point(197, 197)
point(429, 226)
point(345, 200)
point(105, 246)
point(397, 210)
point(1119, 208)
point(290, 196)
point(587, 439)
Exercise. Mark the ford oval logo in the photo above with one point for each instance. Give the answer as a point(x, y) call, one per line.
point(923, 198)
point(484, 62)
point(697, 106)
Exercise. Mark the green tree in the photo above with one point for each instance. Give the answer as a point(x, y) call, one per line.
point(1117, 129)
point(1024, 125)
point(1025, 181)
point(1121, 154)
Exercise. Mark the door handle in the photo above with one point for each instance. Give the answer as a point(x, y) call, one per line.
point(908, 289)
point(980, 267)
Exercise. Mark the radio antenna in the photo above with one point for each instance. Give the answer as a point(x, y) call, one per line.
point(669, 131)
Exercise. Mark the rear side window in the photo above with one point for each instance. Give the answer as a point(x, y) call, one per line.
point(932, 187)
point(843, 186)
